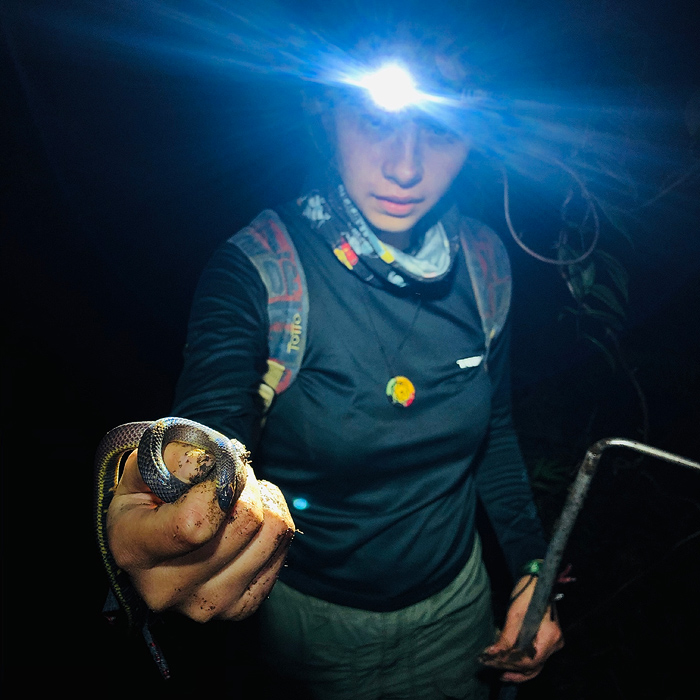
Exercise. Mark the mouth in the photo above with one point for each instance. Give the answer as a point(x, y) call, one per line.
point(398, 206)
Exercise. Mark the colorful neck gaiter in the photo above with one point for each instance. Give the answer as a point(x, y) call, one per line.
point(354, 243)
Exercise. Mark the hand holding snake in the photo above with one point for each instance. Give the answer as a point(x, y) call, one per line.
point(195, 531)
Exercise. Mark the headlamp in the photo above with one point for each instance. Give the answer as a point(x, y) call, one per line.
point(391, 88)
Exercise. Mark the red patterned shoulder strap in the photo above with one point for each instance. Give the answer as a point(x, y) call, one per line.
point(269, 247)
point(489, 269)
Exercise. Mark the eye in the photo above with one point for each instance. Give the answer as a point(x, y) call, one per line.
point(438, 132)
point(376, 122)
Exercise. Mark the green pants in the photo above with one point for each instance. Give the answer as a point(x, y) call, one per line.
point(423, 652)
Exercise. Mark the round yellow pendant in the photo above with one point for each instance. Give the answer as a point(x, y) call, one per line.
point(400, 390)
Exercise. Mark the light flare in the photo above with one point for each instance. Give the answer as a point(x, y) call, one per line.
point(608, 139)
point(392, 88)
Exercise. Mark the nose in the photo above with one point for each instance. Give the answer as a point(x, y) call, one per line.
point(403, 162)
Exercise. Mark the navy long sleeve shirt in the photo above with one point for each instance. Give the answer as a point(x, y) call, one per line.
point(384, 496)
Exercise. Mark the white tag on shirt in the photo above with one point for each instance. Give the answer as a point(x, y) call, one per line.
point(470, 361)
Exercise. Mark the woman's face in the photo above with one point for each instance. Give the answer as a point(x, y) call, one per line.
point(394, 167)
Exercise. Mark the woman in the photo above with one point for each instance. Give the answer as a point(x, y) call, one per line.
point(398, 421)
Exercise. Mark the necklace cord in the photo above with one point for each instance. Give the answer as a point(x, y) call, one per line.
point(390, 363)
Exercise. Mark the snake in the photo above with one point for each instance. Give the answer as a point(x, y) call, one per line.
point(227, 470)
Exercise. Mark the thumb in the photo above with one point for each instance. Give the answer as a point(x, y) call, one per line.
point(184, 461)
point(143, 530)
point(504, 641)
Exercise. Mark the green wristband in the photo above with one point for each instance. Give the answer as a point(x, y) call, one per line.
point(532, 568)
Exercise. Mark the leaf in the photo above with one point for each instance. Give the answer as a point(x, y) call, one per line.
point(606, 353)
point(566, 252)
point(575, 287)
point(618, 274)
point(616, 216)
point(549, 475)
point(606, 295)
point(581, 279)
point(568, 309)
point(588, 276)
point(604, 317)
point(580, 276)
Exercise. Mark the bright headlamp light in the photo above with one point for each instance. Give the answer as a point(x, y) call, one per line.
point(391, 88)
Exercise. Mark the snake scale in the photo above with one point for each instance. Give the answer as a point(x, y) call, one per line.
point(228, 471)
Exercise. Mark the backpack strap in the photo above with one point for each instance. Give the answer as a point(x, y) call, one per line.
point(269, 247)
point(489, 270)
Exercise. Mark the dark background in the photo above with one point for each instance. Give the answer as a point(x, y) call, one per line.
point(126, 162)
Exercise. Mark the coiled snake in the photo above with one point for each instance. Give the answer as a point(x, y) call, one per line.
point(228, 471)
